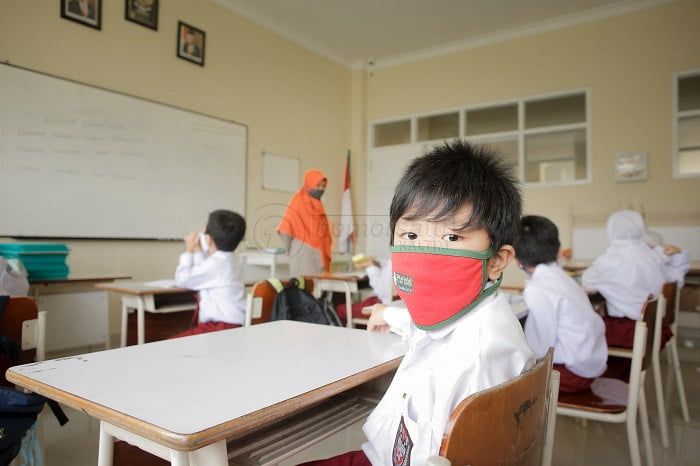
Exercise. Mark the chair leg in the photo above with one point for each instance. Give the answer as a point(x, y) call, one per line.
point(644, 420)
point(661, 405)
point(673, 351)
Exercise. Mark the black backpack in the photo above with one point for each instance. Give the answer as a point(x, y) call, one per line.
point(293, 302)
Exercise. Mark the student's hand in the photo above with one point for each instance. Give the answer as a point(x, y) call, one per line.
point(376, 322)
point(670, 249)
point(192, 242)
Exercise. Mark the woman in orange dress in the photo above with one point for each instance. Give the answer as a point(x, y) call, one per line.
point(305, 229)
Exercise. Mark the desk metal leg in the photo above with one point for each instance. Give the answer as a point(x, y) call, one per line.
point(140, 321)
point(214, 454)
point(106, 447)
point(125, 320)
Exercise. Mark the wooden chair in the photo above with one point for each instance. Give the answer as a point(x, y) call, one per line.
point(259, 301)
point(671, 292)
point(612, 400)
point(512, 423)
point(23, 322)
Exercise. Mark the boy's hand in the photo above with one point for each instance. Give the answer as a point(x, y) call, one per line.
point(670, 250)
point(192, 242)
point(376, 322)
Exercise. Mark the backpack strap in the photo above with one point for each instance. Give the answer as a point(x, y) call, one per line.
point(301, 282)
point(276, 283)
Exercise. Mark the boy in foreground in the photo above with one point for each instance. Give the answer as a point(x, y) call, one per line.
point(454, 216)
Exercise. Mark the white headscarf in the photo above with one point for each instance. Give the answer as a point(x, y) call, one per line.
point(625, 225)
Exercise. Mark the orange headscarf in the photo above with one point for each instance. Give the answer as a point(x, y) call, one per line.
point(305, 218)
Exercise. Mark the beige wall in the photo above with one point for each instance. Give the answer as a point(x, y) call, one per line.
point(626, 62)
point(293, 102)
point(298, 104)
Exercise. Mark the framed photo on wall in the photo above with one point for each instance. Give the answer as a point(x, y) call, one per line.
point(190, 43)
point(631, 166)
point(86, 12)
point(143, 12)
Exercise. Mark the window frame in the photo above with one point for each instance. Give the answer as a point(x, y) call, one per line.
point(675, 123)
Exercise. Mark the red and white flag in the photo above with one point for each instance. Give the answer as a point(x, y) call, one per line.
point(346, 236)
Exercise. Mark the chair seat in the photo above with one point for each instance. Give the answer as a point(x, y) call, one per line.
point(605, 396)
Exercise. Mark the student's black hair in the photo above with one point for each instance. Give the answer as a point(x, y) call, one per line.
point(438, 184)
point(226, 228)
point(538, 241)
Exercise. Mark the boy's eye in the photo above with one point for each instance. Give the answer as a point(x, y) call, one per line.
point(410, 236)
point(451, 237)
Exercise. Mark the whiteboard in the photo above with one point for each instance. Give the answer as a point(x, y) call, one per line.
point(83, 162)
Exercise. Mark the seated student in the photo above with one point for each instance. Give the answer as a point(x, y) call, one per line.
point(559, 312)
point(209, 266)
point(380, 280)
point(13, 280)
point(675, 261)
point(625, 275)
point(454, 214)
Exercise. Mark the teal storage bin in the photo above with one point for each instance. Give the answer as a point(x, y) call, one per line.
point(43, 261)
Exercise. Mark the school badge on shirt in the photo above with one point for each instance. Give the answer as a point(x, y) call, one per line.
point(403, 445)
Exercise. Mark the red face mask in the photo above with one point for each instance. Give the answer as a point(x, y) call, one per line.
point(439, 285)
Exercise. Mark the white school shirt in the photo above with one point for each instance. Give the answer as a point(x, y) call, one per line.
point(560, 315)
point(12, 282)
point(625, 274)
point(382, 280)
point(217, 279)
point(481, 349)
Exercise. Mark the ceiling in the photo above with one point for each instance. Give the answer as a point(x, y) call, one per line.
point(361, 33)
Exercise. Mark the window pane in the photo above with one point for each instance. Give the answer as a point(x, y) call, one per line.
point(556, 111)
point(438, 127)
point(555, 157)
point(689, 133)
point(689, 93)
point(492, 120)
point(689, 162)
point(396, 132)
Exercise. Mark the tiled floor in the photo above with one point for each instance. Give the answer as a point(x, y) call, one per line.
point(596, 444)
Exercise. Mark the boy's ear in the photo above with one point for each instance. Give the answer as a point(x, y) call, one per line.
point(500, 260)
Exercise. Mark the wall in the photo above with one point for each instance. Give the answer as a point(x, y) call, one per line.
point(294, 102)
point(627, 62)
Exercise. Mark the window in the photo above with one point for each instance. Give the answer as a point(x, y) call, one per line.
point(687, 127)
point(546, 138)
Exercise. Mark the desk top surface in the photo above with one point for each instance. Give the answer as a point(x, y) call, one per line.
point(138, 288)
point(189, 392)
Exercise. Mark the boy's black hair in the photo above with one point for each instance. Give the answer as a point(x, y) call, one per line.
point(538, 242)
point(456, 174)
point(226, 228)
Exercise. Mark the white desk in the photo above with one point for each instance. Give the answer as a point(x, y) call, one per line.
point(76, 313)
point(147, 298)
point(268, 259)
point(183, 398)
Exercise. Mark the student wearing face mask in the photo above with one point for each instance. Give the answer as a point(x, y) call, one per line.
point(305, 229)
point(453, 219)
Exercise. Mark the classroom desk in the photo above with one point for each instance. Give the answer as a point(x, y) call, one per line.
point(147, 298)
point(181, 399)
point(77, 315)
point(258, 257)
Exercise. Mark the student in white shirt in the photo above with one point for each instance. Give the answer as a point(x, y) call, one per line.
point(625, 275)
point(13, 281)
point(560, 314)
point(454, 214)
point(676, 261)
point(209, 266)
point(381, 281)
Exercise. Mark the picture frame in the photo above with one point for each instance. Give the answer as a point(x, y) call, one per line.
point(191, 43)
point(85, 12)
point(143, 12)
point(631, 166)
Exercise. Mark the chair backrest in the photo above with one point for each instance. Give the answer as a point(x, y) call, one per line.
point(20, 322)
point(671, 292)
point(652, 313)
point(263, 294)
point(505, 425)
